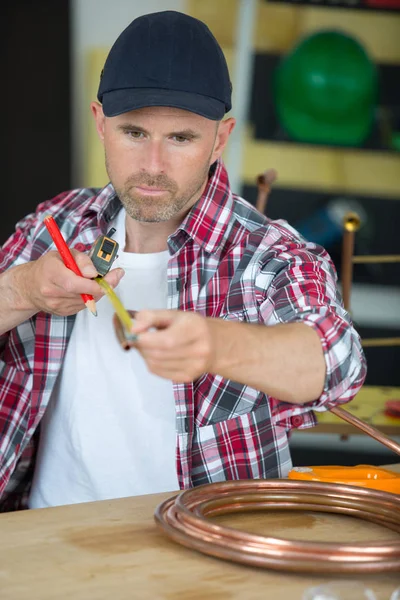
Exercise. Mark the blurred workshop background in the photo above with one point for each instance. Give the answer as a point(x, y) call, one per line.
point(316, 97)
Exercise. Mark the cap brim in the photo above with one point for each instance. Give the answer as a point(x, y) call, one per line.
point(118, 102)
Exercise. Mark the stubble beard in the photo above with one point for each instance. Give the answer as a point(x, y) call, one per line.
point(158, 209)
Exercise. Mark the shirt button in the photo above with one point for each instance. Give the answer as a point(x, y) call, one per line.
point(296, 421)
point(80, 247)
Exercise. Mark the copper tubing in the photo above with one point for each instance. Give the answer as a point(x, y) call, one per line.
point(185, 519)
point(124, 338)
point(366, 428)
point(351, 224)
point(376, 258)
point(264, 184)
point(380, 342)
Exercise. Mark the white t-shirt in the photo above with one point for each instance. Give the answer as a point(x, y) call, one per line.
point(109, 430)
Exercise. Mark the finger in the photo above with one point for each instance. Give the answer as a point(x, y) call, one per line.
point(65, 280)
point(85, 264)
point(160, 319)
point(168, 351)
point(114, 276)
point(60, 305)
point(164, 341)
point(175, 332)
point(69, 284)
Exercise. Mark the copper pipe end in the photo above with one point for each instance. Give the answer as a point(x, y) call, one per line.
point(351, 222)
point(125, 339)
point(266, 179)
point(264, 184)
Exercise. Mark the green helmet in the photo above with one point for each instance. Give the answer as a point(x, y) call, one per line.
point(326, 90)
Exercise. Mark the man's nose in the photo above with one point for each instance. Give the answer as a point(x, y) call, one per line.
point(153, 158)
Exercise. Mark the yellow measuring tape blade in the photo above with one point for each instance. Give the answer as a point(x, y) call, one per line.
point(121, 311)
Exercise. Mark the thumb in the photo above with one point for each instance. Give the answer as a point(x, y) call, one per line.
point(114, 276)
point(85, 264)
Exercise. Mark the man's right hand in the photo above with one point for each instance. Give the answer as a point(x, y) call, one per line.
point(48, 285)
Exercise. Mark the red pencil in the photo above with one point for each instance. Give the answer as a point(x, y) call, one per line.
point(68, 259)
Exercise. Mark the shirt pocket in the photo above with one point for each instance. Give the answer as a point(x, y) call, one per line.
point(219, 399)
point(247, 446)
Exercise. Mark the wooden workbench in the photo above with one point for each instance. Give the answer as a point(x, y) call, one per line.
point(112, 550)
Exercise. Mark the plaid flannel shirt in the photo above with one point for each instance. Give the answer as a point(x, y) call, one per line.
point(226, 261)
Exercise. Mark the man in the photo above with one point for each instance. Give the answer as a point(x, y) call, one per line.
point(241, 332)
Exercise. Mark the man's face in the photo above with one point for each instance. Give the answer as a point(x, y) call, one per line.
point(158, 158)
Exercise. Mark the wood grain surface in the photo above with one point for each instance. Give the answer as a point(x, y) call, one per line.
point(112, 550)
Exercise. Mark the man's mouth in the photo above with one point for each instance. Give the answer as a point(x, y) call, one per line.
point(150, 191)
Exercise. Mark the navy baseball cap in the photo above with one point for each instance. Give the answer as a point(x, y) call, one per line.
point(166, 59)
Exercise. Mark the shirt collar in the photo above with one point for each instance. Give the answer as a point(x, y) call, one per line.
point(207, 220)
point(106, 205)
point(205, 223)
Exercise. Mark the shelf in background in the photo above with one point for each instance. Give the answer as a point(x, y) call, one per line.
point(319, 168)
point(385, 6)
point(278, 26)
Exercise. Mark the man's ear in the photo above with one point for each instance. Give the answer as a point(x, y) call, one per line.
point(225, 128)
point(97, 112)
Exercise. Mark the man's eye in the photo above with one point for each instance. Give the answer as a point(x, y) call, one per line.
point(180, 138)
point(135, 134)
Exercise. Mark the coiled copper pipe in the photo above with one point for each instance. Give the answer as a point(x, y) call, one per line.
point(184, 518)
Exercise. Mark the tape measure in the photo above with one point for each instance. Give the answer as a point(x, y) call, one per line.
point(103, 252)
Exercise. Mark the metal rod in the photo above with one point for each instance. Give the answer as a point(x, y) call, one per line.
point(371, 342)
point(376, 258)
point(351, 224)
